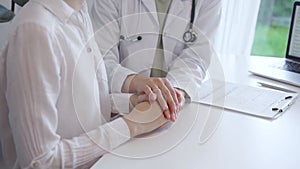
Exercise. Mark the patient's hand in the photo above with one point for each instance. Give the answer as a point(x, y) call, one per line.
point(144, 118)
point(136, 99)
point(157, 89)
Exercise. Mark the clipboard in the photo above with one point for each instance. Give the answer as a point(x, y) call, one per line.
point(255, 101)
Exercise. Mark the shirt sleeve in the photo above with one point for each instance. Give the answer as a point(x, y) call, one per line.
point(107, 34)
point(33, 88)
point(189, 69)
point(120, 103)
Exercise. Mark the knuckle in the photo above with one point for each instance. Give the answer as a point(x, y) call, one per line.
point(173, 92)
point(158, 80)
point(167, 92)
point(149, 81)
point(147, 88)
point(157, 90)
point(165, 80)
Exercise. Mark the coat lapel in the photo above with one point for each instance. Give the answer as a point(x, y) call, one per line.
point(177, 7)
point(151, 7)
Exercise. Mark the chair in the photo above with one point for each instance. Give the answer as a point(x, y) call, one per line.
point(6, 15)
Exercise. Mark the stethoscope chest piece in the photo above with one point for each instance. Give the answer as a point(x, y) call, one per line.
point(189, 36)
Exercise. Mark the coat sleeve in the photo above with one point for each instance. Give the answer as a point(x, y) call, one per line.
point(189, 69)
point(33, 88)
point(105, 17)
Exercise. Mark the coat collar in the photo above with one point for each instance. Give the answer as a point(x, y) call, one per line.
point(176, 8)
point(58, 7)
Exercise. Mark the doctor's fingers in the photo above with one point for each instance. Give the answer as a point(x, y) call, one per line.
point(163, 104)
point(157, 87)
point(152, 89)
point(151, 95)
point(172, 92)
point(180, 96)
point(168, 94)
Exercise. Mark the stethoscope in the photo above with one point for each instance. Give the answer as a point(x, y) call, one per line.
point(189, 36)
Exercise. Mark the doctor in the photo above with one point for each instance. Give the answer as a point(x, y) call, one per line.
point(158, 47)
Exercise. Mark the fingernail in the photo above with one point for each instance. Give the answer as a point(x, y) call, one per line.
point(173, 117)
point(168, 116)
point(153, 97)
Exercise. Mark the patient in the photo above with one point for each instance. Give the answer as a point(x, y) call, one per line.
point(55, 106)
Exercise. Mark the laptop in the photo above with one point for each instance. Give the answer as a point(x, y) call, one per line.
point(288, 69)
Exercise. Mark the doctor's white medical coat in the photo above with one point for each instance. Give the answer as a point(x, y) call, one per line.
point(186, 63)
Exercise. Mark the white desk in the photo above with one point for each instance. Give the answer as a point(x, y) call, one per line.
point(239, 142)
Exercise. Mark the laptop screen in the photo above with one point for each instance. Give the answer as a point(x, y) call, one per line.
point(293, 48)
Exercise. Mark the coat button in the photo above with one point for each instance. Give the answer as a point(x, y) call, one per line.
point(89, 50)
point(36, 164)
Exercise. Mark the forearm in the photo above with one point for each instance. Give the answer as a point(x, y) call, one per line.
point(189, 69)
point(74, 152)
point(209, 18)
point(128, 86)
point(187, 73)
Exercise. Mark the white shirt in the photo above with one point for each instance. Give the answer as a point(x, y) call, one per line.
point(56, 89)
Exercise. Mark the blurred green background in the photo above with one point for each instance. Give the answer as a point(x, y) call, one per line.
point(272, 28)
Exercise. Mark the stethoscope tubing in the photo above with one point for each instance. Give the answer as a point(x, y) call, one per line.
point(188, 37)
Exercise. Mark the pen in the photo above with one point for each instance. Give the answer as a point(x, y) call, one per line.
point(275, 87)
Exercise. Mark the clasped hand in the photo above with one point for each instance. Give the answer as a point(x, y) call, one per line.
point(149, 89)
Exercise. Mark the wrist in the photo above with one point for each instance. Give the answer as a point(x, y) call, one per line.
point(127, 85)
point(133, 127)
point(182, 92)
point(132, 101)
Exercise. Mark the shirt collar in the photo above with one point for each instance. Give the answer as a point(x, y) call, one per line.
point(58, 7)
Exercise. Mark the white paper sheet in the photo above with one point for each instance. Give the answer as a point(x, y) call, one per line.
point(245, 99)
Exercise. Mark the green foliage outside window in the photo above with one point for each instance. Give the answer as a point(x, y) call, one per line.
point(272, 28)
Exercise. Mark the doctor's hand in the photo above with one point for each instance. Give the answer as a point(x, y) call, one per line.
point(156, 89)
point(180, 96)
point(144, 118)
point(136, 99)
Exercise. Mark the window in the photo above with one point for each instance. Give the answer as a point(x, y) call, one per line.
point(272, 28)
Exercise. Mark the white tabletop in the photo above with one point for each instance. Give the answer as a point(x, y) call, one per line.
point(234, 141)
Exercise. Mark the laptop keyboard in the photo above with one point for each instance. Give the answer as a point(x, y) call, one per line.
point(291, 66)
